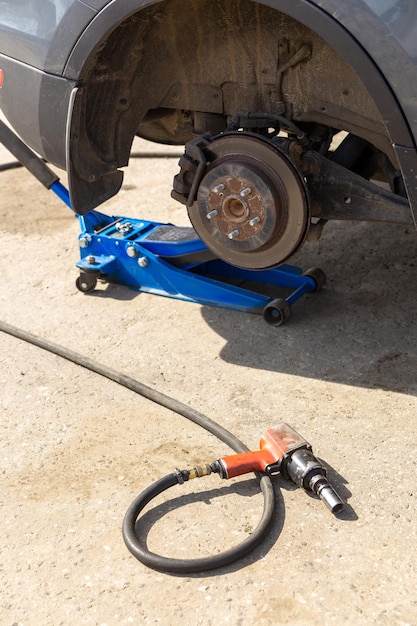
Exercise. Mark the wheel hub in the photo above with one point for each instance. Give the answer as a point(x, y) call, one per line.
point(251, 208)
point(238, 204)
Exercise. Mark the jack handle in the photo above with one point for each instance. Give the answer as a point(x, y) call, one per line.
point(33, 163)
point(282, 449)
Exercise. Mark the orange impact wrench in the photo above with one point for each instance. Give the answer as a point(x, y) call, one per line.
point(283, 450)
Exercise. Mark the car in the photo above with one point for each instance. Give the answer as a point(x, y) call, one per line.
point(291, 112)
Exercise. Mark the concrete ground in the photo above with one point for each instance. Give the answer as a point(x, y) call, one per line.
point(76, 448)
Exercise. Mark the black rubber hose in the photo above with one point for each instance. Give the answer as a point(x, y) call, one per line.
point(132, 541)
point(13, 165)
point(130, 383)
point(203, 564)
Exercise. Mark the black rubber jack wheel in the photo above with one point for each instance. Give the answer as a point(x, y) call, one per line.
point(317, 275)
point(86, 281)
point(277, 312)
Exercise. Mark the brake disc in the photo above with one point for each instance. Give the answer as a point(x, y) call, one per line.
point(251, 208)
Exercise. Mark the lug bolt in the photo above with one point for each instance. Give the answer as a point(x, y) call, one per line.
point(233, 234)
point(245, 192)
point(254, 221)
point(91, 259)
point(131, 251)
point(218, 188)
point(211, 214)
point(143, 261)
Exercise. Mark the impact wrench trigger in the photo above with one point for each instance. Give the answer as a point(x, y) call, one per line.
point(283, 450)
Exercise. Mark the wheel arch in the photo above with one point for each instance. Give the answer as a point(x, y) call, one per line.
point(315, 18)
point(104, 181)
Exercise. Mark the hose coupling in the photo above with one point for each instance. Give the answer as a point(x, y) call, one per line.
point(198, 471)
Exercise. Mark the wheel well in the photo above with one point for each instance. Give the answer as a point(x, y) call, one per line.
point(180, 67)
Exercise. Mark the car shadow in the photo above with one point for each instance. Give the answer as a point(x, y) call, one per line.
point(360, 329)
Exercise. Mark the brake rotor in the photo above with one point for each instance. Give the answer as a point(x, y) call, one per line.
point(251, 208)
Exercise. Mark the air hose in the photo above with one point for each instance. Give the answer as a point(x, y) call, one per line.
point(282, 449)
point(133, 542)
point(183, 566)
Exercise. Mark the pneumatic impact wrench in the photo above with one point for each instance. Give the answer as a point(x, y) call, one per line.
point(282, 449)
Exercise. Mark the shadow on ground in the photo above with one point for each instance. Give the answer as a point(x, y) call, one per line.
point(359, 330)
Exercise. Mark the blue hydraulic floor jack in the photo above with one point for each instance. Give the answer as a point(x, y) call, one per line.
point(168, 260)
point(172, 261)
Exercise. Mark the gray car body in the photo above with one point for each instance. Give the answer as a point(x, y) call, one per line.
point(45, 46)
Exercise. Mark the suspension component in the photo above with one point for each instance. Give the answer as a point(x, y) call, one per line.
point(252, 193)
point(245, 199)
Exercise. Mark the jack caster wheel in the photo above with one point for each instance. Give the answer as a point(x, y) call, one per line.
point(86, 282)
point(317, 275)
point(277, 312)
